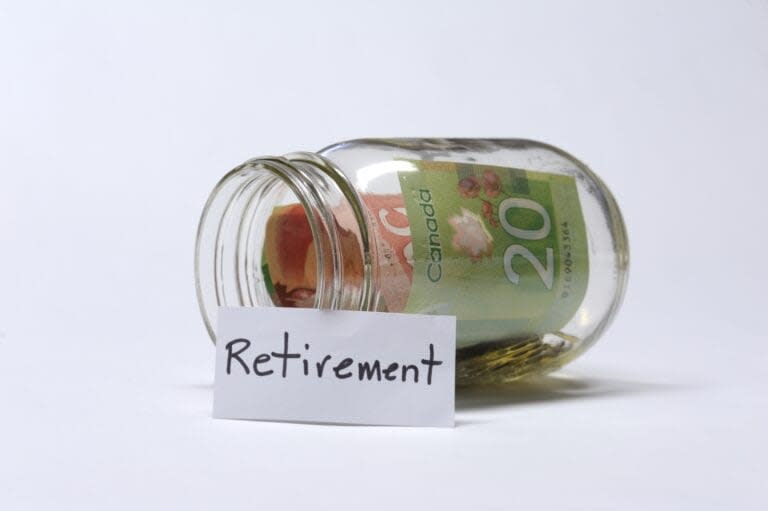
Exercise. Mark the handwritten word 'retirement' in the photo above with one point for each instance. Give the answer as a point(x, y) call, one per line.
point(342, 368)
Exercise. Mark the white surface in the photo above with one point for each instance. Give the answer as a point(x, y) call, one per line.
point(333, 387)
point(116, 120)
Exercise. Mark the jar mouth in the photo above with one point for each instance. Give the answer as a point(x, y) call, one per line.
point(230, 247)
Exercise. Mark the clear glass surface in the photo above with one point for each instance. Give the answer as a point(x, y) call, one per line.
point(348, 260)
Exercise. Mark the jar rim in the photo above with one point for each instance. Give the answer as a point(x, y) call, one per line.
point(228, 251)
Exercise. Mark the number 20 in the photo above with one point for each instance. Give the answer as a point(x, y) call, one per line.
point(546, 272)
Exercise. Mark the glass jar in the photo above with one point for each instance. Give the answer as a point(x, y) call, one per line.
point(518, 239)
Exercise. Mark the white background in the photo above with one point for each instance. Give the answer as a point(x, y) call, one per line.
point(116, 121)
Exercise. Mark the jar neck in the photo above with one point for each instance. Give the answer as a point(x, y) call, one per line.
point(229, 256)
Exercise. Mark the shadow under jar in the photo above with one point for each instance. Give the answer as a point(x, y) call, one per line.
point(518, 239)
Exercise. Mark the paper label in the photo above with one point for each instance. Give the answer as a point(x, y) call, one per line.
point(310, 365)
point(502, 249)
